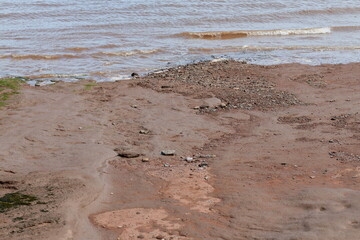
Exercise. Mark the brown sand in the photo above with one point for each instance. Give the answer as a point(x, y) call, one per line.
point(275, 155)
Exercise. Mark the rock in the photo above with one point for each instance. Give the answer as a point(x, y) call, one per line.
point(222, 105)
point(135, 75)
point(144, 131)
point(168, 152)
point(134, 106)
point(312, 177)
point(203, 164)
point(166, 86)
point(126, 154)
point(166, 165)
point(211, 102)
point(145, 160)
point(283, 163)
point(189, 159)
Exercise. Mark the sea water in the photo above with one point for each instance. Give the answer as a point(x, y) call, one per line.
point(108, 40)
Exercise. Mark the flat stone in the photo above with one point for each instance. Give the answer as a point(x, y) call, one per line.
point(168, 152)
point(211, 102)
point(189, 159)
point(126, 154)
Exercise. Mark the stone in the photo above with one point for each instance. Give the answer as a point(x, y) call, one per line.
point(126, 154)
point(189, 159)
point(222, 105)
point(211, 102)
point(166, 165)
point(168, 152)
point(145, 160)
point(134, 75)
point(203, 164)
point(144, 131)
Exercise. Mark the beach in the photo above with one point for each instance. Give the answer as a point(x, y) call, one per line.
point(218, 149)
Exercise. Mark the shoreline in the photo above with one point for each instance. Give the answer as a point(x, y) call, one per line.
point(261, 152)
point(51, 78)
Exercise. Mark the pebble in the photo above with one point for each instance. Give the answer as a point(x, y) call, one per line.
point(168, 152)
point(283, 163)
point(144, 131)
point(222, 105)
point(203, 164)
point(189, 159)
point(166, 165)
point(145, 160)
point(312, 177)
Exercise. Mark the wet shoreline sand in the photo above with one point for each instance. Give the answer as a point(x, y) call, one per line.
point(261, 152)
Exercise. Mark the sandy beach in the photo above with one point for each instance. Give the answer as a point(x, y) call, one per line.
point(211, 150)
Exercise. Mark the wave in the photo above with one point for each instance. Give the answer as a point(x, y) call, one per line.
point(77, 49)
point(327, 11)
point(345, 28)
point(129, 53)
point(240, 34)
point(264, 48)
point(39, 57)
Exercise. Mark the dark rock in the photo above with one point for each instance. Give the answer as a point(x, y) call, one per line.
point(203, 164)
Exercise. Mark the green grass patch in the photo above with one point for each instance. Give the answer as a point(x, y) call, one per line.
point(88, 86)
point(13, 200)
point(9, 87)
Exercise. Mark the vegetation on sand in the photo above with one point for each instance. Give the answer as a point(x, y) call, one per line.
point(13, 200)
point(9, 87)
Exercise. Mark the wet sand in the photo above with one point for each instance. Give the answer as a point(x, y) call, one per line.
point(261, 152)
